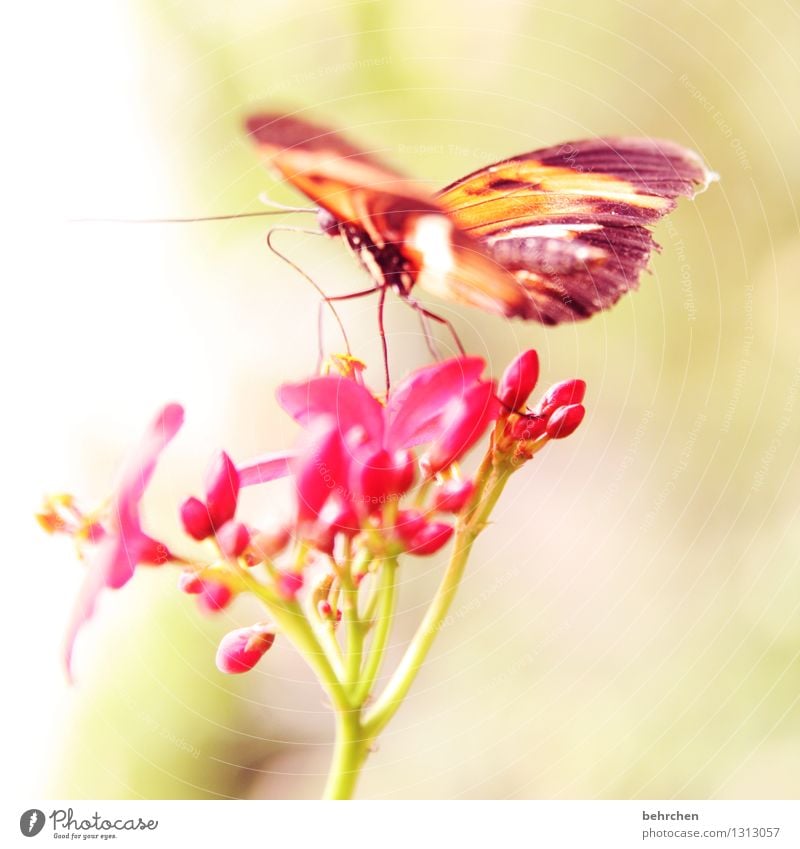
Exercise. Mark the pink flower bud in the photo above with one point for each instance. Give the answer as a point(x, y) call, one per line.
point(561, 395)
point(453, 496)
point(190, 583)
point(241, 650)
point(214, 596)
point(339, 517)
point(233, 538)
point(195, 518)
point(405, 464)
point(465, 422)
point(382, 476)
point(289, 584)
point(432, 537)
point(528, 427)
point(519, 380)
point(408, 524)
point(565, 420)
point(222, 490)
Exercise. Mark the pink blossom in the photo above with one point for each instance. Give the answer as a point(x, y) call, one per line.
point(355, 449)
point(124, 544)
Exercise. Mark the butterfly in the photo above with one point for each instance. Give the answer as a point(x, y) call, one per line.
point(554, 235)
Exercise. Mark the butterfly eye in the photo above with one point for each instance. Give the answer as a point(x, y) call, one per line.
point(327, 222)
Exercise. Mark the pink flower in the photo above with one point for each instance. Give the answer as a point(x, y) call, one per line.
point(124, 545)
point(355, 449)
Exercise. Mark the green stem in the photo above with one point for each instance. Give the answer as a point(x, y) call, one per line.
point(350, 752)
point(386, 595)
point(490, 482)
point(294, 625)
point(355, 632)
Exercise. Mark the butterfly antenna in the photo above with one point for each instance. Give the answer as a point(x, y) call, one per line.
point(293, 265)
point(191, 220)
point(282, 207)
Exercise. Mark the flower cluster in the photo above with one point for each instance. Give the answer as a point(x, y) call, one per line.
point(373, 480)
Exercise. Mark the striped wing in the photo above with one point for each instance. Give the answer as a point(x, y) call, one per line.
point(571, 222)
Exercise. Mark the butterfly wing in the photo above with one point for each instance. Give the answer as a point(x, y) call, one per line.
point(343, 179)
point(357, 188)
point(571, 222)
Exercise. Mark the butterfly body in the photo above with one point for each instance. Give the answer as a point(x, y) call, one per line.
point(553, 235)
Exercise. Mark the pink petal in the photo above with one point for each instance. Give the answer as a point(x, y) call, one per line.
point(111, 566)
point(141, 464)
point(463, 424)
point(320, 469)
point(417, 402)
point(267, 467)
point(347, 402)
point(117, 554)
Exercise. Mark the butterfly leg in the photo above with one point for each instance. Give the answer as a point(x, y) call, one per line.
point(426, 314)
point(382, 332)
point(381, 289)
point(430, 341)
point(351, 295)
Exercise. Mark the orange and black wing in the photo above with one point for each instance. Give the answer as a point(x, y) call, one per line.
point(571, 222)
point(343, 179)
point(356, 188)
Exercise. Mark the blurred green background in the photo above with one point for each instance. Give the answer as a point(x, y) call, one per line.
point(630, 626)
